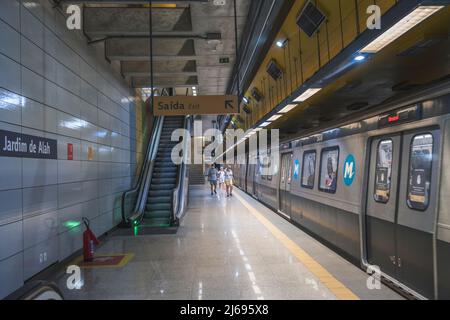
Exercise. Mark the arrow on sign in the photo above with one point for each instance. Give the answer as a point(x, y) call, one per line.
point(229, 104)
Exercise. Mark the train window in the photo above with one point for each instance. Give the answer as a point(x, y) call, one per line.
point(383, 173)
point(329, 163)
point(309, 169)
point(420, 162)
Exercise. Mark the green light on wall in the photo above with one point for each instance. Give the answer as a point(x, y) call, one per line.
point(71, 224)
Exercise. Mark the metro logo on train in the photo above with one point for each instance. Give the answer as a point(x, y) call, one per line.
point(296, 169)
point(349, 170)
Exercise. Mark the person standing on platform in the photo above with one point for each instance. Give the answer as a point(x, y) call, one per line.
point(229, 181)
point(221, 178)
point(212, 178)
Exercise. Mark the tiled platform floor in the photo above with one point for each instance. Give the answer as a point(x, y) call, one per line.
point(221, 251)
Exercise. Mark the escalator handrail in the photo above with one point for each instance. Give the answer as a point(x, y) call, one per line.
point(179, 193)
point(147, 166)
point(141, 202)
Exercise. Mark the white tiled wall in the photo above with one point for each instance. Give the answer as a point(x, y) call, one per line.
point(54, 85)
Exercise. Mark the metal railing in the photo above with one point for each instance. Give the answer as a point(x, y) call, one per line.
point(132, 204)
point(135, 200)
point(180, 193)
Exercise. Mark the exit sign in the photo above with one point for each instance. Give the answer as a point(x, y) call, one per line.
point(224, 60)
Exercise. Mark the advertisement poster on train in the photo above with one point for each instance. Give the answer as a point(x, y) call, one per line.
point(382, 182)
point(418, 186)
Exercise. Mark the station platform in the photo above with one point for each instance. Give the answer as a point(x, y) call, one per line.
point(225, 249)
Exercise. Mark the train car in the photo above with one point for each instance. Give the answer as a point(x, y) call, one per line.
point(376, 190)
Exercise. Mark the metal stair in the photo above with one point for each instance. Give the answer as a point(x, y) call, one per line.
point(196, 175)
point(159, 208)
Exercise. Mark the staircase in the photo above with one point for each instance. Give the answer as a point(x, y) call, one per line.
point(159, 211)
point(196, 175)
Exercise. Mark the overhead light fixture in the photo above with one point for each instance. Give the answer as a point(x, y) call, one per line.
point(265, 124)
point(288, 108)
point(275, 118)
point(360, 57)
point(307, 94)
point(282, 43)
point(420, 14)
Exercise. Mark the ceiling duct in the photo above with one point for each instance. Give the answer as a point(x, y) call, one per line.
point(310, 19)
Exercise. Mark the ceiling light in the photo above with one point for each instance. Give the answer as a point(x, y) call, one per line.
point(307, 94)
point(265, 124)
point(281, 43)
point(288, 108)
point(360, 57)
point(401, 27)
point(275, 118)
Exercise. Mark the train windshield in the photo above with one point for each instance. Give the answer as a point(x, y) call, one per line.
point(384, 171)
point(421, 158)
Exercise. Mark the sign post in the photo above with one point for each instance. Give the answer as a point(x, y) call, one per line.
point(201, 105)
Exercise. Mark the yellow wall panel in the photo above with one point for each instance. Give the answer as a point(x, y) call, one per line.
point(304, 56)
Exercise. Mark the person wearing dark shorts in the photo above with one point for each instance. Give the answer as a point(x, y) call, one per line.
point(212, 178)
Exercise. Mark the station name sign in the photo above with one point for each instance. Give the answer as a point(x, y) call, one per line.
point(200, 105)
point(20, 145)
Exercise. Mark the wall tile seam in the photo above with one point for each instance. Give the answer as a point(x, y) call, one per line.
point(55, 108)
point(59, 110)
point(49, 134)
point(124, 86)
point(74, 94)
point(111, 74)
point(123, 96)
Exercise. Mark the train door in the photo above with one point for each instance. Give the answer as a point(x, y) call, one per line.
point(284, 199)
point(401, 207)
point(250, 179)
point(256, 170)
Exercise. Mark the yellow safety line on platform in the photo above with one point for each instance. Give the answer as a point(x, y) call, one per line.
point(126, 258)
point(334, 285)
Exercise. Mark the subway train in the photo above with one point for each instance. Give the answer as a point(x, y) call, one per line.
point(375, 188)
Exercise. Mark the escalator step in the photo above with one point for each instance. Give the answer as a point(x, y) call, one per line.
point(158, 199)
point(162, 187)
point(158, 214)
point(158, 207)
point(164, 175)
point(156, 223)
point(165, 169)
point(164, 181)
point(160, 193)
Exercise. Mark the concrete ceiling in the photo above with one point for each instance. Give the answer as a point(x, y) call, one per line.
point(183, 53)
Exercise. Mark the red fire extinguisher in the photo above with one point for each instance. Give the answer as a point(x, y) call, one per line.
point(89, 242)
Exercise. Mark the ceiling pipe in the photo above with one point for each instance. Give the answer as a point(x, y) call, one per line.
point(208, 36)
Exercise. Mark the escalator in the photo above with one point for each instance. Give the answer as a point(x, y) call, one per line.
point(158, 202)
point(158, 211)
